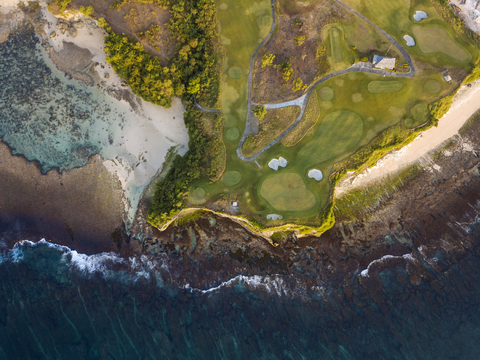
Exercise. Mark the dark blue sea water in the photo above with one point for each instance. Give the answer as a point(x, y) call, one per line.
point(58, 304)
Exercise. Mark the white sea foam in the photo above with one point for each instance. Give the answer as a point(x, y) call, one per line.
point(384, 258)
point(273, 284)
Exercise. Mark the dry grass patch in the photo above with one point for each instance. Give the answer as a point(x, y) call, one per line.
point(309, 119)
point(273, 124)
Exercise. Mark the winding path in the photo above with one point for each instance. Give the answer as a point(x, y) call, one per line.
point(303, 100)
point(216, 111)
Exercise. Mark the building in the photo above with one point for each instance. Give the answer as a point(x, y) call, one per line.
point(384, 63)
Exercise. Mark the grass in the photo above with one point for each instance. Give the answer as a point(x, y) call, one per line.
point(336, 46)
point(334, 135)
point(378, 87)
point(326, 93)
point(197, 195)
point(433, 86)
point(235, 72)
point(232, 178)
point(434, 39)
point(396, 18)
point(339, 132)
point(232, 134)
point(309, 119)
point(287, 192)
point(274, 123)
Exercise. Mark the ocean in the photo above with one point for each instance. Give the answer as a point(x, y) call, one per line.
point(59, 304)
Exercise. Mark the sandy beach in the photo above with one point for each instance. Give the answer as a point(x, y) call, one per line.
point(135, 136)
point(465, 104)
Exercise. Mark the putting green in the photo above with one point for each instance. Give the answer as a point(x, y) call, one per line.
point(197, 194)
point(336, 44)
point(232, 178)
point(378, 87)
point(339, 132)
point(433, 39)
point(232, 134)
point(235, 72)
point(267, 20)
point(326, 93)
point(287, 192)
point(433, 87)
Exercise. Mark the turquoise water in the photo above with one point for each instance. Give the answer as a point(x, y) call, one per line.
point(47, 117)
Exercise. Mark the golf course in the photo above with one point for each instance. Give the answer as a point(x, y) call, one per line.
point(341, 112)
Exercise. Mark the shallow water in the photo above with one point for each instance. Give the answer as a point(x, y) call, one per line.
point(60, 122)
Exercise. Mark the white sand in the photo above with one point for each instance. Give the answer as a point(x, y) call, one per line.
point(465, 104)
point(419, 15)
point(410, 40)
point(470, 14)
point(275, 163)
point(315, 174)
point(139, 145)
point(274, 217)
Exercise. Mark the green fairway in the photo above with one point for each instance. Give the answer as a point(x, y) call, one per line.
point(434, 39)
point(197, 195)
point(339, 132)
point(287, 192)
point(232, 178)
point(419, 116)
point(336, 47)
point(232, 134)
point(433, 86)
point(343, 116)
point(326, 93)
point(377, 87)
point(235, 72)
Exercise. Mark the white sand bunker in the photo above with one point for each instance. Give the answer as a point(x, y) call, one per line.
point(274, 217)
point(275, 163)
point(419, 15)
point(410, 40)
point(315, 174)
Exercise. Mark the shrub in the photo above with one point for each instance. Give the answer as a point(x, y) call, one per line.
point(87, 11)
point(260, 112)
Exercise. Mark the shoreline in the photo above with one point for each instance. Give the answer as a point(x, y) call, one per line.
point(465, 104)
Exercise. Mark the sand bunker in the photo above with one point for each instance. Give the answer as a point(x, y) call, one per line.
point(275, 163)
point(419, 15)
point(315, 174)
point(274, 217)
point(410, 40)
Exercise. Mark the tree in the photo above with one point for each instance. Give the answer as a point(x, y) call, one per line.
point(299, 40)
point(297, 84)
point(260, 112)
point(286, 70)
point(87, 11)
point(194, 85)
point(267, 60)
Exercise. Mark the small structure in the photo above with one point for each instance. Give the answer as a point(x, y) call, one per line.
point(234, 206)
point(275, 163)
point(448, 78)
point(383, 62)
